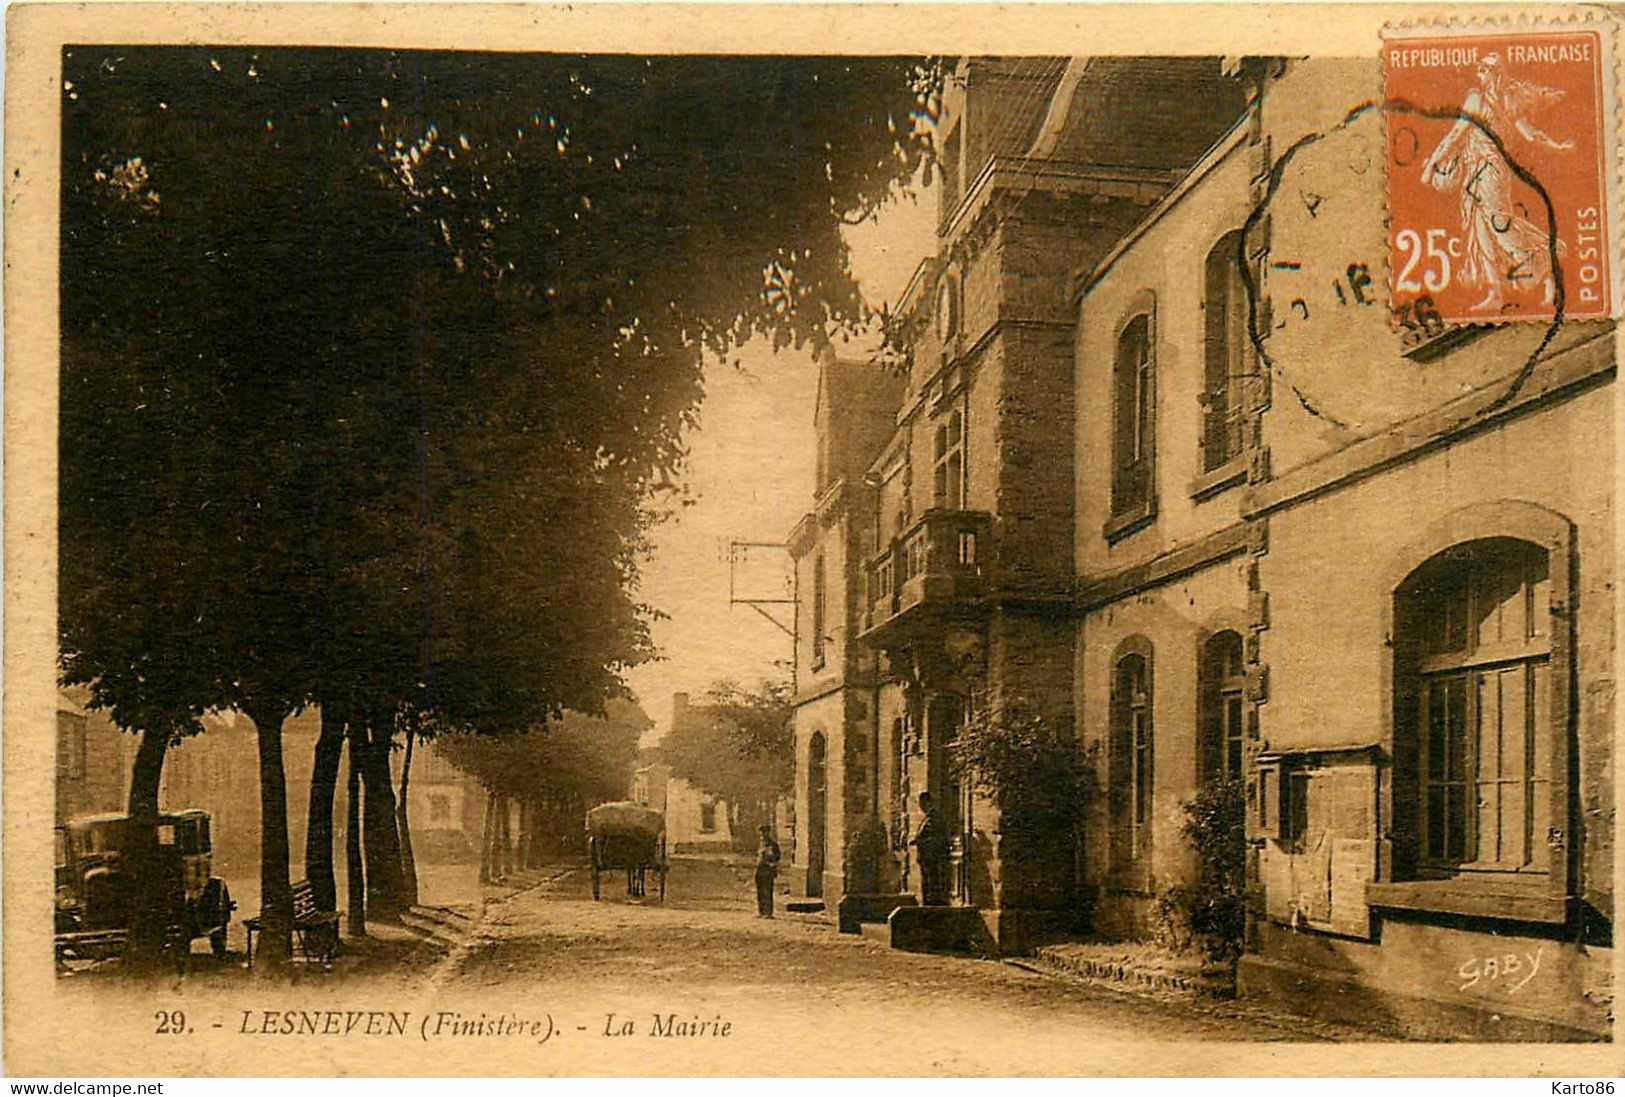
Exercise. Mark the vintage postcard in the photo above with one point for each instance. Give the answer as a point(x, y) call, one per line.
point(811, 541)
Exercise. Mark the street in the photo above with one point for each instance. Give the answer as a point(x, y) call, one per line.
point(543, 980)
point(798, 996)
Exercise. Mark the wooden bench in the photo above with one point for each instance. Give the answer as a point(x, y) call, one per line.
point(315, 932)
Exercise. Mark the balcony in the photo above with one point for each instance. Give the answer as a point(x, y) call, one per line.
point(937, 564)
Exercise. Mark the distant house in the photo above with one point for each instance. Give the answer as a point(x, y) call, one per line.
point(90, 759)
point(695, 820)
point(445, 807)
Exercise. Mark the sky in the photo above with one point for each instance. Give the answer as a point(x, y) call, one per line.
point(750, 478)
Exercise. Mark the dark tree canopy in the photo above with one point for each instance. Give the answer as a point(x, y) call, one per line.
point(372, 360)
point(575, 755)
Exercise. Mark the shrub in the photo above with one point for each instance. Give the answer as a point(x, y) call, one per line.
point(1212, 913)
point(868, 857)
point(1032, 765)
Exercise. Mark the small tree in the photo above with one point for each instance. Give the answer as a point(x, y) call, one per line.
point(739, 746)
point(1030, 765)
point(1211, 913)
point(869, 865)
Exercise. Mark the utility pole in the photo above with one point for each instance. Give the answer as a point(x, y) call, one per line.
point(738, 552)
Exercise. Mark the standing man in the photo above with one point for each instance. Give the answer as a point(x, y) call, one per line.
point(931, 846)
point(767, 868)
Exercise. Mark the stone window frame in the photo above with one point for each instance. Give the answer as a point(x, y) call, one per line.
point(1229, 322)
point(1449, 678)
point(948, 460)
point(820, 611)
point(1532, 897)
point(1133, 871)
point(1224, 689)
point(1131, 511)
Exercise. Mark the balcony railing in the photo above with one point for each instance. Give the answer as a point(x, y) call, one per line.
point(937, 561)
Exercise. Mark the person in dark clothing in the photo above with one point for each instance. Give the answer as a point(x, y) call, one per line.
point(767, 868)
point(931, 846)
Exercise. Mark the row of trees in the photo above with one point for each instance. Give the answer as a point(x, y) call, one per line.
point(374, 365)
point(549, 778)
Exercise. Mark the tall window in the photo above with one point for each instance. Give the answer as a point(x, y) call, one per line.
point(1473, 706)
point(70, 745)
point(1222, 680)
point(948, 453)
point(949, 166)
point(1129, 761)
point(818, 609)
point(1226, 345)
point(1134, 419)
point(708, 815)
point(439, 809)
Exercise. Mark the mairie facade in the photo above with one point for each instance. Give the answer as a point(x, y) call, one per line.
point(1163, 470)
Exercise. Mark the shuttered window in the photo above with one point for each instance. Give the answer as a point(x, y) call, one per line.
point(1477, 706)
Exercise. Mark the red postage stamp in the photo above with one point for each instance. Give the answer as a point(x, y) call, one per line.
point(1499, 149)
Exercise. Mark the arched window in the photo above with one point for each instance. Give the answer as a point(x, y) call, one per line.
point(1222, 682)
point(819, 609)
point(1129, 759)
point(1225, 308)
point(1134, 426)
point(817, 812)
point(1473, 709)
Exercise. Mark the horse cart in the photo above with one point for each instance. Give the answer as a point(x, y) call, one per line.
point(624, 835)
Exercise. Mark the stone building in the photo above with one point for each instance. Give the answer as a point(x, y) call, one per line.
point(966, 574)
point(92, 759)
point(836, 729)
point(1166, 473)
point(1165, 391)
point(1362, 569)
point(695, 820)
point(1433, 559)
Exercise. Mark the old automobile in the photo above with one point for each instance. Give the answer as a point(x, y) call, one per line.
point(94, 906)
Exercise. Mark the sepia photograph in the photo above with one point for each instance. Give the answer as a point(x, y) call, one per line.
point(734, 541)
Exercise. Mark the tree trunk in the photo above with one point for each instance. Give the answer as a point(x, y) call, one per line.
point(403, 826)
point(386, 896)
point(499, 807)
point(324, 779)
point(505, 837)
point(147, 896)
point(276, 893)
point(508, 866)
point(488, 839)
point(535, 854)
point(355, 874)
point(147, 773)
point(526, 817)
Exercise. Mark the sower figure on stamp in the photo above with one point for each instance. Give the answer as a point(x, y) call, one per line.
point(767, 868)
point(930, 843)
point(1501, 250)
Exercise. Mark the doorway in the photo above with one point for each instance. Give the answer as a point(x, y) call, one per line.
point(817, 792)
